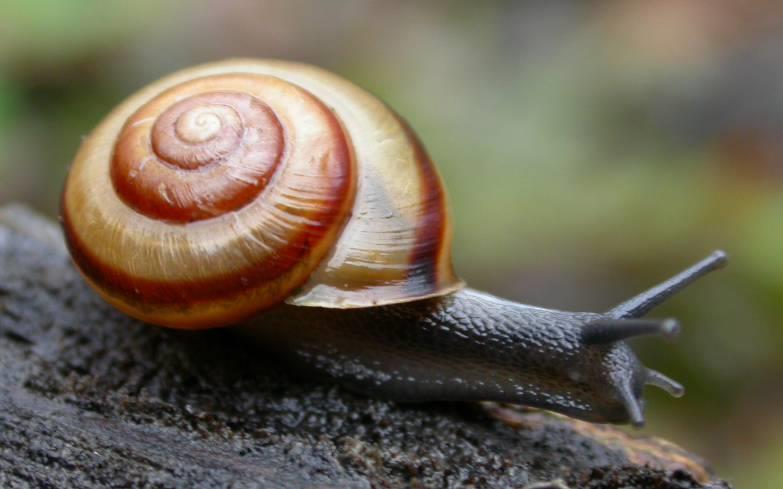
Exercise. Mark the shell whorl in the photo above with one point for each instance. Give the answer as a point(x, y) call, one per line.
point(203, 156)
point(225, 189)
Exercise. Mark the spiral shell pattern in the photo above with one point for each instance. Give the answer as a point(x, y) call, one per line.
point(203, 156)
point(225, 189)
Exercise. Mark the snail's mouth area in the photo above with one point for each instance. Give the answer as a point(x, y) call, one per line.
point(628, 402)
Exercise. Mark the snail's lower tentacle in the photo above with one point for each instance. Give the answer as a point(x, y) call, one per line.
point(661, 381)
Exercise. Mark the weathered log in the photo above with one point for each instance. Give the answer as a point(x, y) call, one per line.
point(91, 398)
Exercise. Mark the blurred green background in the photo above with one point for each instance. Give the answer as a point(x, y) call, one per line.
point(590, 148)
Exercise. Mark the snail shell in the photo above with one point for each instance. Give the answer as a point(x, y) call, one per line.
point(225, 189)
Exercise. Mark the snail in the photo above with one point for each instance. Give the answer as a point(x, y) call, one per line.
point(283, 198)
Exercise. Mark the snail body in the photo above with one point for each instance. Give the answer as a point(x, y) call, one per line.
point(280, 192)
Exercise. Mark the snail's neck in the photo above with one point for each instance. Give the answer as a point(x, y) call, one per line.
point(464, 346)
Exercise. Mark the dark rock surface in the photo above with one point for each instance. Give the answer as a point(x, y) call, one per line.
point(90, 398)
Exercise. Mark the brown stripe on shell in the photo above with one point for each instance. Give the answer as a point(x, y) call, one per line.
point(185, 293)
point(426, 255)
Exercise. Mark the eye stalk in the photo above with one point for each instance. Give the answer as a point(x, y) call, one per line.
point(646, 301)
point(611, 330)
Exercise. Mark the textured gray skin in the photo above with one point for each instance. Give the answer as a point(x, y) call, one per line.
point(466, 346)
point(472, 346)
